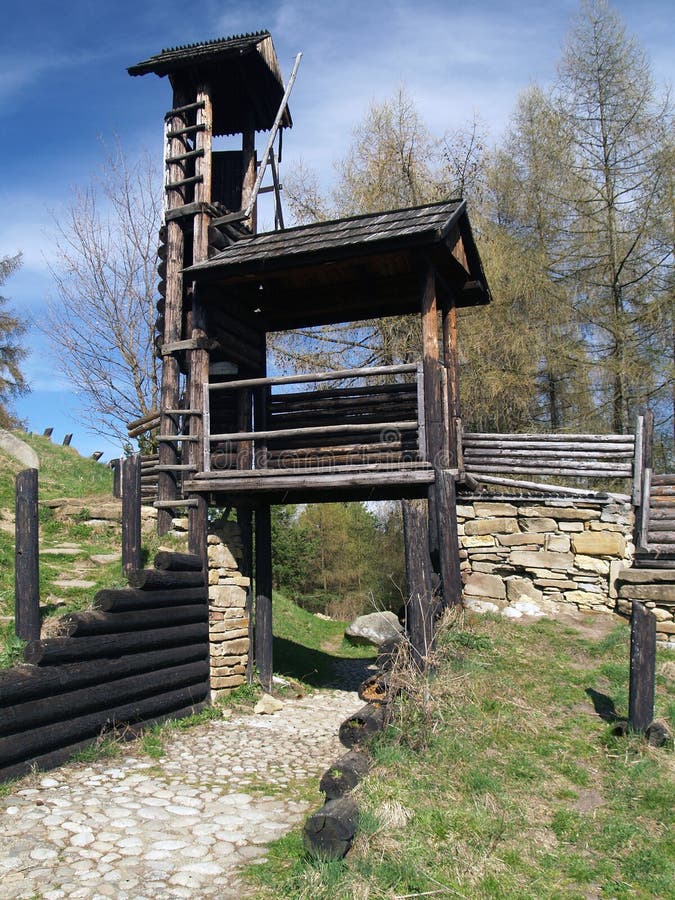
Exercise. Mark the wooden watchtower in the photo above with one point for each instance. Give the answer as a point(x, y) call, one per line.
point(247, 440)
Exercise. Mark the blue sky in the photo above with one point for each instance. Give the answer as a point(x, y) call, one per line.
point(64, 89)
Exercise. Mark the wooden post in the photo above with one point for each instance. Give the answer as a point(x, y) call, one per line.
point(451, 364)
point(642, 667)
point(433, 402)
point(115, 465)
point(419, 595)
point(448, 539)
point(642, 511)
point(198, 526)
point(131, 513)
point(245, 521)
point(67, 439)
point(198, 374)
point(27, 557)
point(263, 596)
point(248, 174)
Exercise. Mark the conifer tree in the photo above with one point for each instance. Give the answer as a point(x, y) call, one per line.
point(12, 352)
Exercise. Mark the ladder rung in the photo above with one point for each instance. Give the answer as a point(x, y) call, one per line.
point(179, 110)
point(174, 504)
point(182, 412)
point(189, 129)
point(169, 438)
point(192, 154)
point(172, 185)
point(189, 209)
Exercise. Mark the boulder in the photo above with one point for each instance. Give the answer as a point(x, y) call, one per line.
point(375, 628)
point(267, 705)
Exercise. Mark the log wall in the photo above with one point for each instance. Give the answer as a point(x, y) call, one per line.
point(139, 656)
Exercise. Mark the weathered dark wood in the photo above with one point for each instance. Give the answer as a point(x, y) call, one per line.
point(344, 774)
point(119, 600)
point(67, 439)
point(131, 513)
point(54, 651)
point(116, 466)
point(14, 748)
point(198, 519)
point(54, 758)
point(27, 557)
point(48, 432)
point(98, 622)
point(21, 717)
point(263, 598)
point(161, 580)
point(361, 726)
point(23, 683)
point(329, 832)
point(642, 667)
point(433, 401)
point(376, 689)
point(448, 540)
point(420, 600)
point(168, 561)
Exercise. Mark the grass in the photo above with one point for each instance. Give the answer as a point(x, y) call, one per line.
point(306, 647)
point(503, 781)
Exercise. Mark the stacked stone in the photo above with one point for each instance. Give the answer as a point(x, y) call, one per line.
point(655, 588)
point(557, 551)
point(228, 614)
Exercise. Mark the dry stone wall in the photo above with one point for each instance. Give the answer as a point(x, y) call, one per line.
point(522, 556)
point(229, 617)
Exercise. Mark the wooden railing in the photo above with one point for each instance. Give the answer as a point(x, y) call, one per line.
point(372, 416)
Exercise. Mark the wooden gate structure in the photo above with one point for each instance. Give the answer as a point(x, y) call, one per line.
point(240, 438)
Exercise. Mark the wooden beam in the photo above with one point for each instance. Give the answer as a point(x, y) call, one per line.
point(131, 513)
point(642, 667)
point(445, 509)
point(263, 599)
point(27, 557)
point(419, 602)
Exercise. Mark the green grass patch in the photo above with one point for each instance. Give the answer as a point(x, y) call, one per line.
point(499, 778)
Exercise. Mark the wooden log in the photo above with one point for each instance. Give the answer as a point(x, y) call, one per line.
point(642, 667)
point(67, 439)
point(376, 689)
point(663, 480)
point(369, 371)
point(263, 598)
point(552, 488)
point(117, 600)
point(27, 557)
point(53, 758)
point(582, 438)
point(361, 726)
point(329, 832)
point(177, 562)
point(23, 683)
point(131, 513)
point(54, 651)
point(420, 602)
point(48, 432)
point(448, 540)
point(36, 713)
point(344, 774)
point(98, 622)
point(161, 580)
point(115, 465)
point(15, 748)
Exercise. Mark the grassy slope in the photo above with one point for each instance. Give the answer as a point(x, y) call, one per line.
point(508, 783)
point(63, 473)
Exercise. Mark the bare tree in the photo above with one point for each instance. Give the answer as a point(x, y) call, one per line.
point(12, 353)
point(102, 322)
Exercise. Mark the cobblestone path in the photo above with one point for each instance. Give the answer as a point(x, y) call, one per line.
point(180, 826)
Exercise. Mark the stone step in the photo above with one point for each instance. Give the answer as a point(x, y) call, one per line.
point(646, 576)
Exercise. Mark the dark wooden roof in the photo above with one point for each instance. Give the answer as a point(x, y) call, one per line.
point(244, 74)
point(347, 269)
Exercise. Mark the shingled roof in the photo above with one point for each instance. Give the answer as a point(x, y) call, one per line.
point(244, 73)
point(370, 261)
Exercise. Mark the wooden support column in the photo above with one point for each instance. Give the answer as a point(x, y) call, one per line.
point(248, 174)
point(263, 596)
point(451, 364)
point(448, 539)
point(419, 595)
point(173, 322)
point(642, 667)
point(27, 557)
point(131, 514)
point(198, 358)
point(433, 398)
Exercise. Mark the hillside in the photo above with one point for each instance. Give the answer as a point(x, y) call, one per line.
point(79, 542)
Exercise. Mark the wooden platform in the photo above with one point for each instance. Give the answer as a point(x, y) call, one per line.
point(304, 485)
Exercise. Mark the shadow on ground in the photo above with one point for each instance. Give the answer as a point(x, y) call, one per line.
point(603, 705)
point(319, 669)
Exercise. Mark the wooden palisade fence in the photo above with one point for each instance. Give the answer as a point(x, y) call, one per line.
point(140, 655)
